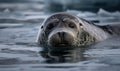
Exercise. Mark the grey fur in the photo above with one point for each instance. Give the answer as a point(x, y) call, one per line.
point(87, 33)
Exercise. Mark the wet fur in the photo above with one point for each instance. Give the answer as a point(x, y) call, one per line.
point(90, 33)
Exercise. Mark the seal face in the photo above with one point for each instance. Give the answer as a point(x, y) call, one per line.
point(62, 29)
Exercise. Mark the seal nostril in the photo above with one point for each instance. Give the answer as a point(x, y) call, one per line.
point(61, 35)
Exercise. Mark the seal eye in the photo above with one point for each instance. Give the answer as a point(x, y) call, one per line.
point(50, 26)
point(71, 25)
point(41, 27)
point(80, 24)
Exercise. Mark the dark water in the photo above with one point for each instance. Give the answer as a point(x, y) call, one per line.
point(19, 51)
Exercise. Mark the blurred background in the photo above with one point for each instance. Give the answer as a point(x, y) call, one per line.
point(37, 10)
point(60, 5)
point(83, 5)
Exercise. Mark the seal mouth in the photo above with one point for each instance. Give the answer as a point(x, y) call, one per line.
point(60, 40)
point(60, 43)
point(63, 43)
point(61, 37)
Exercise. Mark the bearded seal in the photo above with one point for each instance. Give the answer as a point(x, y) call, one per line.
point(63, 29)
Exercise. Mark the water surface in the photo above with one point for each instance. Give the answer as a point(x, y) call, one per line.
point(19, 51)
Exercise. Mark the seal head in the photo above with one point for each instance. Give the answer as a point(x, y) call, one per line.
point(63, 29)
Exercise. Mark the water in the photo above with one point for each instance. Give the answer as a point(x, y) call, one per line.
point(19, 51)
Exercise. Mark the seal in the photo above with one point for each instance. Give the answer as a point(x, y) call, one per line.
point(63, 29)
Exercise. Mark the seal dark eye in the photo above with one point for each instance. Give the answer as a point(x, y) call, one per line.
point(50, 26)
point(80, 24)
point(41, 27)
point(71, 25)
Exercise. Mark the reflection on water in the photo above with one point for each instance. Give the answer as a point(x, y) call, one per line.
point(63, 54)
